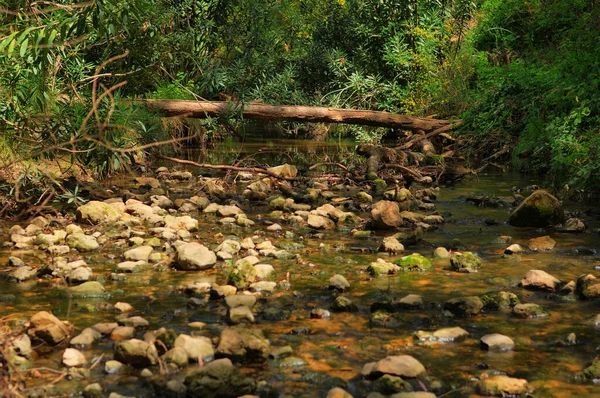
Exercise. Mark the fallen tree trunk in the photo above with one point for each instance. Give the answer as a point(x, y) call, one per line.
point(313, 114)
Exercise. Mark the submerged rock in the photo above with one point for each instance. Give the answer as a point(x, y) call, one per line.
point(219, 379)
point(465, 262)
point(540, 209)
point(499, 300)
point(501, 385)
point(588, 287)
point(542, 244)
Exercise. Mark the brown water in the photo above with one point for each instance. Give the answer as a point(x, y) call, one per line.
point(336, 349)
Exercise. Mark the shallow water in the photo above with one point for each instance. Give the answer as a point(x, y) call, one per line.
point(336, 349)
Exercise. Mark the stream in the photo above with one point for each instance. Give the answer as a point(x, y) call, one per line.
point(331, 351)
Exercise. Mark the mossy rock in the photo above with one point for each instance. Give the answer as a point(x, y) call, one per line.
point(385, 319)
point(592, 371)
point(540, 209)
point(499, 300)
point(389, 384)
point(380, 185)
point(414, 262)
point(465, 262)
point(381, 267)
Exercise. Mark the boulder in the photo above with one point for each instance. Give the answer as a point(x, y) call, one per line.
point(136, 353)
point(588, 287)
point(320, 222)
point(141, 253)
point(73, 358)
point(391, 245)
point(344, 304)
point(385, 214)
point(497, 342)
point(536, 279)
point(501, 385)
point(49, 328)
point(194, 256)
point(218, 379)
point(573, 225)
point(338, 392)
point(499, 300)
point(464, 306)
point(195, 347)
point(243, 345)
point(243, 274)
point(464, 262)
point(338, 282)
point(95, 212)
point(530, 310)
point(414, 262)
point(540, 209)
point(382, 267)
point(444, 335)
point(82, 242)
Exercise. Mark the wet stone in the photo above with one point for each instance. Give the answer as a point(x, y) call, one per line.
point(338, 392)
point(445, 335)
point(542, 244)
point(536, 279)
point(243, 345)
point(465, 262)
point(382, 267)
point(122, 333)
point(134, 321)
point(114, 367)
point(398, 365)
point(441, 252)
point(135, 352)
point(414, 262)
point(497, 342)
point(73, 358)
point(530, 310)
point(513, 249)
point(409, 302)
point(219, 379)
point(338, 282)
point(389, 384)
point(464, 306)
point(241, 314)
point(239, 300)
point(501, 385)
point(319, 313)
point(344, 304)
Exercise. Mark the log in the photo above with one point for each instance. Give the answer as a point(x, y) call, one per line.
point(313, 114)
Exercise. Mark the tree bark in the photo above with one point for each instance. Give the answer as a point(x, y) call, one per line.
point(313, 114)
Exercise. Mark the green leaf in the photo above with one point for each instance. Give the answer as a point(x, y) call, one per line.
point(53, 34)
point(7, 41)
point(24, 47)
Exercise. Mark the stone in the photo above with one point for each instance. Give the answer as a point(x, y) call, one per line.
point(338, 282)
point(264, 271)
point(141, 253)
point(82, 242)
point(95, 212)
point(176, 355)
point(391, 245)
point(134, 321)
point(73, 358)
point(338, 392)
point(542, 244)
point(344, 304)
point(574, 225)
point(319, 313)
point(398, 365)
point(162, 201)
point(592, 371)
point(540, 209)
point(194, 256)
point(123, 307)
point(501, 385)
point(465, 262)
point(80, 275)
point(285, 170)
point(49, 328)
point(195, 347)
point(86, 338)
point(218, 379)
point(105, 328)
point(409, 302)
point(113, 367)
point(87, 289)
point(229, 246)
point(136, 353)
point(183, 223)
point(242, 274)
point(21, 274)
point(464, 306)
point(229, 211)
point(414, 262)
point(264, 286)
point(388, 384)
point(241, 314)
point(15, 262)
point(413, 394)
point(499, 300)
point(444, 335)
point(536, 279)
point(385, 214)
point(515, 248)
point(93, 390)
point(530, 310)
point(441, 252)
point(497, 342)
point(243, 345)
point(320, 222)
point(588, 287)
point(382, 267)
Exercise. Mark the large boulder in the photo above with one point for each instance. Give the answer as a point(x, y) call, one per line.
point(219, 379)
point(95, 213)
point(385, 214)
point(540, 209)
point(195, 256)
point(48, 328)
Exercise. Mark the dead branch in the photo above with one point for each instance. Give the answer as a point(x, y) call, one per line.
point(429, 135)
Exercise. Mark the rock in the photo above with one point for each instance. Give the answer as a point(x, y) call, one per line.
point(464, 306)
point(122, 333)
point(141, 253)
point(513, 249)
point(588, 287)
point(123, 307)
point(87, 289)
point(49, 328)
point(194, 256)
point(15, 262)
point(441, 252)
point(183, 223)
point(542, 244)
point(388, 384)
point(501, 385)
point(218, 379)
point(162, 201)
point(176, 355)
point(195, 347)
point(105, 328)
point(86, 338)
point(464, 262)
point(113, 367)
point(338, 393)
point(497, 342)
point(399, 365)
point(386, 215)
point(364, 197)
point(344, 304)
point(592, 371)
point(320, 222)
point(540, 209)
point(243, 274)
point(264, 271)
point(530, 310)
point(413, 394)
point(499, 300)
point(229, 211)
point(240, 300)
point(409, 302)
point(284, 170)
point(93, 390)
point(229, 246)
point(573, 225)
point(410, 237)
point(414, 262)
point(82, 242)
point(319, 313)
point(134, 321)
point(445, 335)
point(21, 274)
point(95, 212)
point(536, 279)
point(338, 282)
point(243, 345)
point(73, 358)
point(136, 353)
point(241, 314)
point(391, 245)
point(80, 275)
point(21, 345)
point(263, 286)
point(382, 267)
